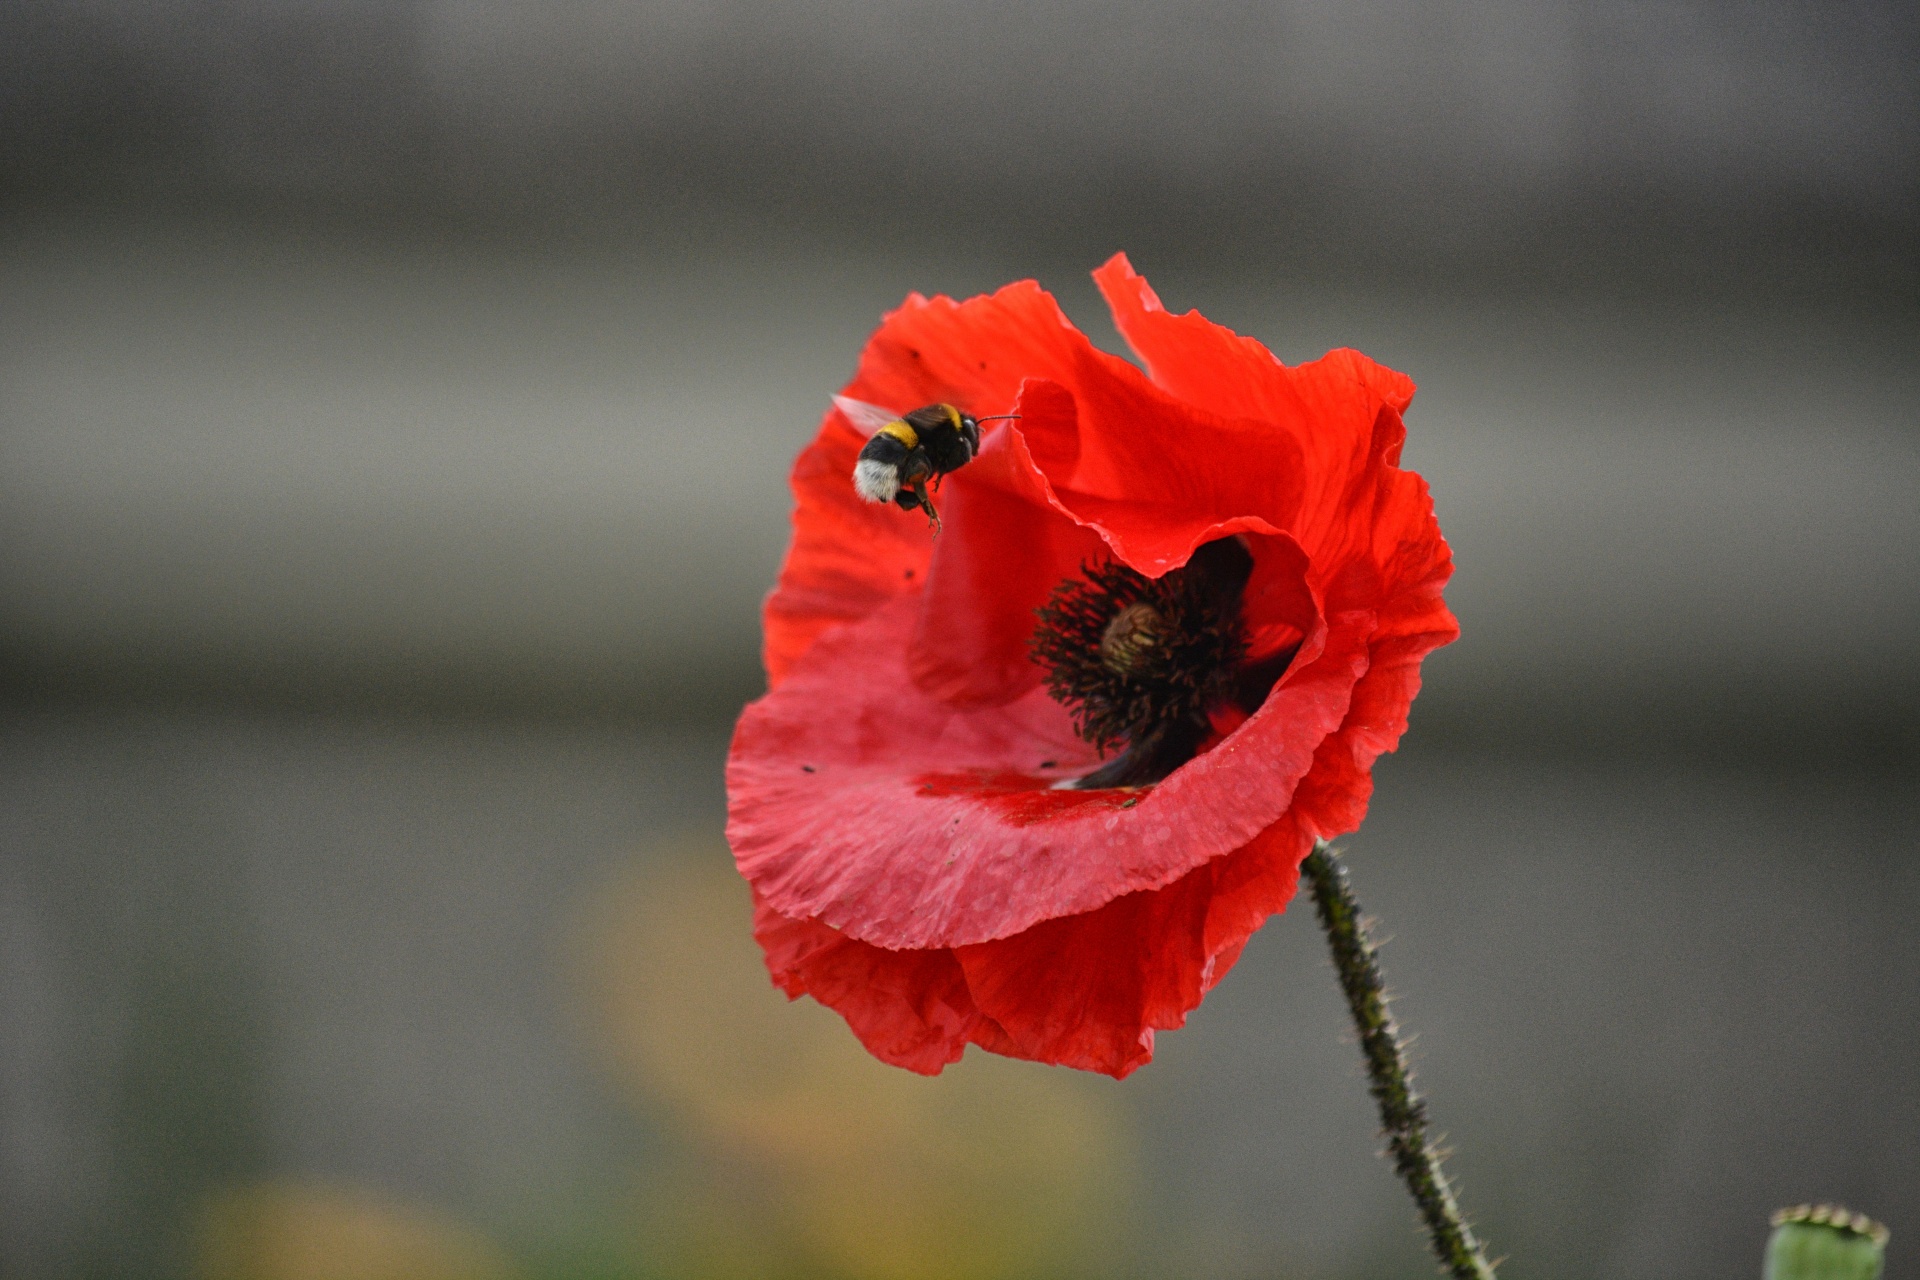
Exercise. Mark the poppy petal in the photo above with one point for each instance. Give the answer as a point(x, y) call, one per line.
point(910, 1008)
point(909, 823)
point(1089, 991)
point(1340, 415)
point(1007, 548)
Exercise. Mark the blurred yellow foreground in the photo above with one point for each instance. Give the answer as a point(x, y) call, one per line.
point(797, 1154)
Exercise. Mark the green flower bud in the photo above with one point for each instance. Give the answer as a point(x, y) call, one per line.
point(1825, 1242)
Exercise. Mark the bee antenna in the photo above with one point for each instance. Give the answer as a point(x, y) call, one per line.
point(995, 417)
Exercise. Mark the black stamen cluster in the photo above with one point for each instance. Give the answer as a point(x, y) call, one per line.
point(1162, 666)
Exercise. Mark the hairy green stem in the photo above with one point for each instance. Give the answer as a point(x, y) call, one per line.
point(1403, 1112)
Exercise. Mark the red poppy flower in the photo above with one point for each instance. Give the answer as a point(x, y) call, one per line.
point(903, 800)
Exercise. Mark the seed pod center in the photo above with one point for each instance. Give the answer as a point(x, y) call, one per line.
point(1129, 641)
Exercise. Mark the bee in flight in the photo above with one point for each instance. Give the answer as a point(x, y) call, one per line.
point(909, 450)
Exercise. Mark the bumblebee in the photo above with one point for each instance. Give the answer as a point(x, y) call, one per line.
point(909, 451)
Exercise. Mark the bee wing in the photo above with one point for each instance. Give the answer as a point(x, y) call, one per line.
point(868, 417)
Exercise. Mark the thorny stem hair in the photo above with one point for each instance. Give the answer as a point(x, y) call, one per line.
point(1403, 1112)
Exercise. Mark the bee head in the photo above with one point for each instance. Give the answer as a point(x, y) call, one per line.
point(970, 429)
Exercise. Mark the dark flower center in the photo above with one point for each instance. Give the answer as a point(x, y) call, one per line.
point(1143, 661)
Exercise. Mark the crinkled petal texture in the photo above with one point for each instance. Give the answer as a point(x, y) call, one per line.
point(892, 799)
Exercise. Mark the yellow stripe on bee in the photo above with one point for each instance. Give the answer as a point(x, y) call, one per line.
point(900, 431)
point(953, 415)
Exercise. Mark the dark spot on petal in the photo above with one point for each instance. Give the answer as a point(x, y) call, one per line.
point(909, 575)
point(806, 768)
point(1017, 799)
point(1048, 764)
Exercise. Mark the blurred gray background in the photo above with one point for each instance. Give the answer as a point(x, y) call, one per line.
point(395, 405)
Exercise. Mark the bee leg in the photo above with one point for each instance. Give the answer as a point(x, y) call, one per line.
point(926, 505)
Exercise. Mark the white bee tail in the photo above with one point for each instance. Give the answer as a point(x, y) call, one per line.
point(875, 481)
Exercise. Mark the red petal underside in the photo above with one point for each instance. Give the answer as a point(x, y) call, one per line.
point(910, 1008)
point(1086, 991)
point(1217, 370)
